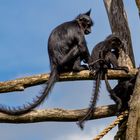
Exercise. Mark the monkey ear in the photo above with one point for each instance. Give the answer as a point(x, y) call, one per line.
point(88, 12)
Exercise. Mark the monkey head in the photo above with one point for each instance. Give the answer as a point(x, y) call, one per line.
point(115, 41)
point(85, 22)
point(115, 44)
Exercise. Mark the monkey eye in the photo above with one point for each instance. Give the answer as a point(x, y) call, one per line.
point(89, 24)
point(85, 20)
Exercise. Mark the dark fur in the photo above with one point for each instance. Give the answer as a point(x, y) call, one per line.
point(67, 48)
point(104, 56)
point(123, 91)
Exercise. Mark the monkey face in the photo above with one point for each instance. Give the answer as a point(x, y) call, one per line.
point(85, 22)
point(114, 40)
point(87, 28)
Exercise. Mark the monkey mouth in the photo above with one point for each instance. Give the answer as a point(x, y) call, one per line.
point(87, 31)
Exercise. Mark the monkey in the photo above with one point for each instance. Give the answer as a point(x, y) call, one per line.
point(104, 56)
point(67, 48)
point(123, 91)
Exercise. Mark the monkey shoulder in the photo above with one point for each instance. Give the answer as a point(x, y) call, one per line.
point(96, 50)
point(66, 30)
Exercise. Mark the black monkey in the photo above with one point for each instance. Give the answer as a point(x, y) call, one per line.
point(123, 91)
point(104, 56)
point(66, 48)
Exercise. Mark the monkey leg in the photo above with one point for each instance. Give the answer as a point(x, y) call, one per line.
point(77, 65)
point(94, 62)
point(116, 99)
point(113, 95)
point(110, 57)
point(64, 59)
point(122, 68)
point(84, 53)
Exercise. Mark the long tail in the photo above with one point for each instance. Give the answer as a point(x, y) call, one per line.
point(113, 94)
point(94, 99)
point(37, 101)
point(109, 89)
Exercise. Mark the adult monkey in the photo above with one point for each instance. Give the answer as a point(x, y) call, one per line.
point(104, 56)
point(66, 48)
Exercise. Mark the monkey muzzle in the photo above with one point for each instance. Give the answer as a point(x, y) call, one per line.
point(87, 31)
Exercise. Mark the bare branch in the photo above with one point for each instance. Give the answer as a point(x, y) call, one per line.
point(21, 83)
point(59, 115)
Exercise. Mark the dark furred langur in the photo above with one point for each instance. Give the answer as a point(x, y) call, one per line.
point(104, 56)
point(123, 91)
point(67, 48)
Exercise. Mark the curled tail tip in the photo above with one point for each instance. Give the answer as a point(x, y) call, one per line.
point(81, 125)
point(26, 108)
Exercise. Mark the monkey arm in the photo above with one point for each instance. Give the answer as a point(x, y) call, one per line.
point(111, 58)
point(63, 59)
point(77, 65)
point(85, 55)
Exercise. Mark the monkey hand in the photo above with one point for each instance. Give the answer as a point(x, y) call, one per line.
point(125, 69)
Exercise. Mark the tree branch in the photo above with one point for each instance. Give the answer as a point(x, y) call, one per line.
point(119, 25)
point(59, 115)
point(21, 83)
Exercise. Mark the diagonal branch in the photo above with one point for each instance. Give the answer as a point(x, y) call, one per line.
point(60, 115)
point(21, 83)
